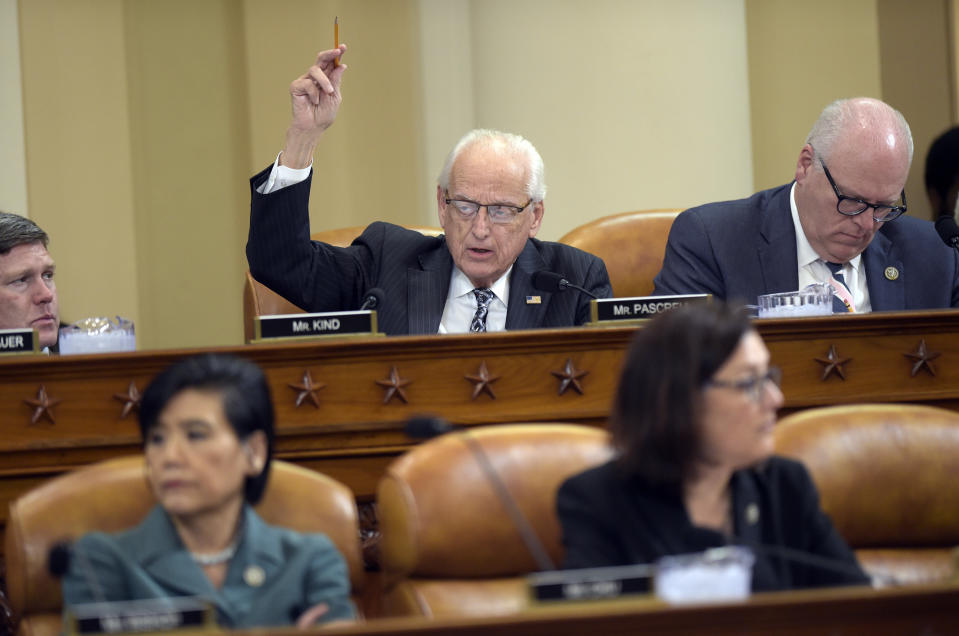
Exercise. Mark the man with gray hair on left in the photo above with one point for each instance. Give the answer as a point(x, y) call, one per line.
point(28, 294)
point(478, 276)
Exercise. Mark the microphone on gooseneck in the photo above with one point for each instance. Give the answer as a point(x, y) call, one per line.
point(816, 561)
point(372, 299)
point(425, 427)
point(547, 281)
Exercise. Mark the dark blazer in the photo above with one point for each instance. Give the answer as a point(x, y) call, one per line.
point(413, 270)
point(608, 519)
point(738, 250)
point(150, 561)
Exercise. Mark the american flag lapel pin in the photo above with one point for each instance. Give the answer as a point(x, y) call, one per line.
point(533, 300)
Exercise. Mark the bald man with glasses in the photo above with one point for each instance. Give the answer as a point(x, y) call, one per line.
point(841, 222)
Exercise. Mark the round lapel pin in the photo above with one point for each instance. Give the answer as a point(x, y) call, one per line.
point(254, 576)
point(891, 273)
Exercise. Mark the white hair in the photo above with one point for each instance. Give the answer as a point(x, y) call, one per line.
point(841, 113)
point(514, 144)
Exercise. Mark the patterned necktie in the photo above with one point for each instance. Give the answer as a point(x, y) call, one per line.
point(483, 298)
point(838, 304)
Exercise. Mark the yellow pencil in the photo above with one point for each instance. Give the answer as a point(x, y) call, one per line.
point(336, 38)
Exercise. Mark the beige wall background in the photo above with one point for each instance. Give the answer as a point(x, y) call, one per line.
point(143, 120)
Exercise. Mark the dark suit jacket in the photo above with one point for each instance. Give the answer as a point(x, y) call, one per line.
point(611, 519)
point(412, 269)
point(738, 250)
point(150, 561)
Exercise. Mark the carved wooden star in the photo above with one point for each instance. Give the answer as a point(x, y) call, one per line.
point(569, 377)
point(394, 386)
point(130, 399)
point(923, 358)
point(482, 381)
point(42, 406)
point(307, 390)
point(832, 363)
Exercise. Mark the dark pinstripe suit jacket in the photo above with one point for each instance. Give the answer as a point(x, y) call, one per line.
point(412, 269)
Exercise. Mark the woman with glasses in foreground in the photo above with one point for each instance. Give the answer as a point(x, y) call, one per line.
point(693, 426)
point(207, 423)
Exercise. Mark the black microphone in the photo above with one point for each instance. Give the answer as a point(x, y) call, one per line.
point(60, 559)
point(948, 229)
point(372, 299)
point(425, 427)
point(547, 281)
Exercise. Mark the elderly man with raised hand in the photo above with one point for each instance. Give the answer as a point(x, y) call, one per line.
point(841, 222)
point(28, 294)
point(478, 277)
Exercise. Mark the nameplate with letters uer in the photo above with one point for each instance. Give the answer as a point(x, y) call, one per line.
point(606, 311)
point(19, 341)
point(143, 615)
point(320, 325)
point(590, 583)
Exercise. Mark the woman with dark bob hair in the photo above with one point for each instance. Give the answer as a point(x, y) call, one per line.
point(692, 423)
point(207, 424)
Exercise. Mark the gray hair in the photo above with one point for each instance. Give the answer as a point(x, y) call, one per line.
point(17, 230)
point(836, 116)
point(515, 144)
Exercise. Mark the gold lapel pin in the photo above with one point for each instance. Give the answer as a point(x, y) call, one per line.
point(891, 273)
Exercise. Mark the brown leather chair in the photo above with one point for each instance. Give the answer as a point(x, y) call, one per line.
point(449, 547)
point(888, 476)
point(260, 300)
point(113, 495)
point(632, 245)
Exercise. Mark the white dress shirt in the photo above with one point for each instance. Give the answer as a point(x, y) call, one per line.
point(812, 268)
point(461, 304)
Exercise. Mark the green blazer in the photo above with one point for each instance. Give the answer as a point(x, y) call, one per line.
point(275, 575)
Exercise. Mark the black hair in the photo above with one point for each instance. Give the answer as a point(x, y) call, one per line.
point(244, 393)
point(942, 165)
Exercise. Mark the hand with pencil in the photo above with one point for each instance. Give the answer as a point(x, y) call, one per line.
point(316, 98)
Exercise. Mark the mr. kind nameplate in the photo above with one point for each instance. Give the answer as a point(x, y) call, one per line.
point(606, 310)
point(333, 323)
point(19, 341)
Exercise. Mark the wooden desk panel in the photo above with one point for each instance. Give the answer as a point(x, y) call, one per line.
point(352, 435)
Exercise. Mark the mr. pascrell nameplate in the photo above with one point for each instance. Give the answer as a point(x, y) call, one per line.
point(608, 310)
point(19, 341)
point(321, 325)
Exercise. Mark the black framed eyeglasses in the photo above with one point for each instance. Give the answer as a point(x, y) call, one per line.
point(497, 212)
point(753, 387)
point(851, 206)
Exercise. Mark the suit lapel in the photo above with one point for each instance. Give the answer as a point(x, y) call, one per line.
point(157, 547)
point(427, 289)
point(884, 294)
point(519, 313)
point(778, 269)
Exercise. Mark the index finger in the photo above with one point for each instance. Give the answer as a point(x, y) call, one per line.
point(327, 57)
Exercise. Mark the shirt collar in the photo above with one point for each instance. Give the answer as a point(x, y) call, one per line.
point(805, 254)
point(460, 285)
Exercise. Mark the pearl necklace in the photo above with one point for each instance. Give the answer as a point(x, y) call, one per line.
point(217, 558)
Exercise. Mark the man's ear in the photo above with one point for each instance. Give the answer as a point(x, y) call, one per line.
point(806, 163)
point(539, 208)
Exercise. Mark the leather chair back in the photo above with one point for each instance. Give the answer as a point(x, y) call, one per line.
point(888, 476)
point(632, 245)
point(260, 300)
point(113, 495)
point(449, 547)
